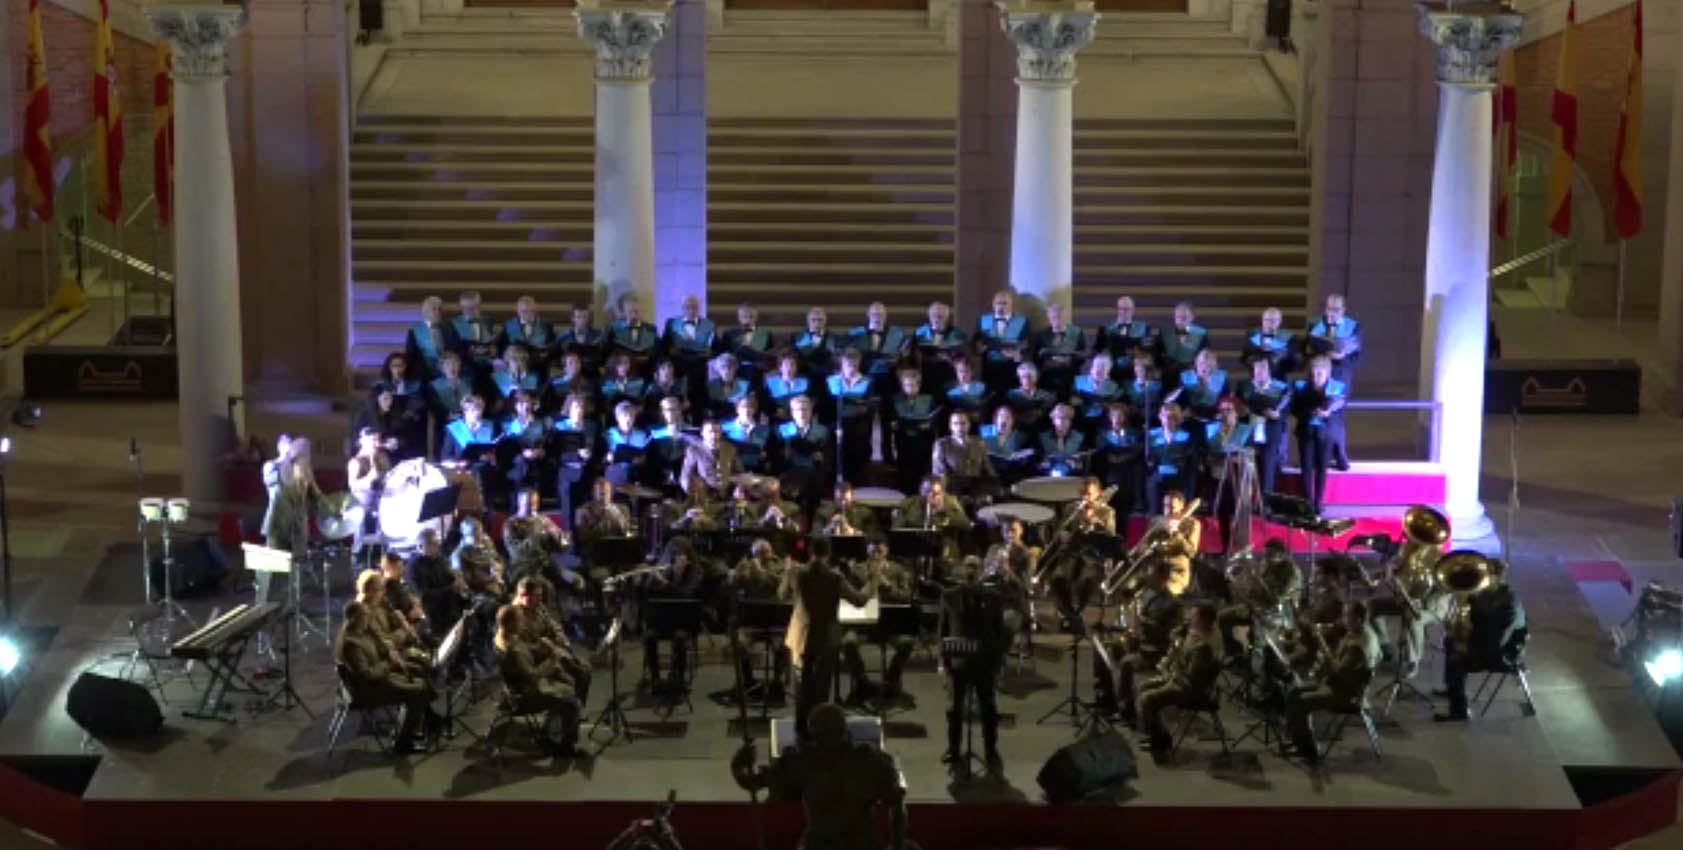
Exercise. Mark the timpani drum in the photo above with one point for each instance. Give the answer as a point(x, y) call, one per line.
point(1050, 489)
point(878, 497)
point(1030, 514)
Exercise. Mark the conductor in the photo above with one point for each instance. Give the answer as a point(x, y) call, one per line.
point(814, 634)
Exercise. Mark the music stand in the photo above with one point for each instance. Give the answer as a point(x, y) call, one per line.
point(1082, 714)
point(612, 714)
point(665, 618)
point(848, 547)
point(766, 619)
point(440, 502)
point(613, 553)
point(916, 544)
point(442, 659)
point(263, 559)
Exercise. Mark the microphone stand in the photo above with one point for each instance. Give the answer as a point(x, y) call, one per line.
point(1513, 487)
point(140, 527)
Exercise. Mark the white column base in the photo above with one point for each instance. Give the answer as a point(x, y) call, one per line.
point(1472, 528)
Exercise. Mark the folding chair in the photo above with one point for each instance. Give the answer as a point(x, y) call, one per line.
point(370, 716)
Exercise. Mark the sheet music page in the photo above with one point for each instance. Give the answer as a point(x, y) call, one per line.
point(849, 614)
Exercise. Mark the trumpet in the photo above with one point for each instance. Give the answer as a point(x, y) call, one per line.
point(838, 526)
point(620, 578)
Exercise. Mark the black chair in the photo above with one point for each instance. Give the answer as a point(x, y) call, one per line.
point(511, 710)
point(1512, 665)
point(1209, 707)
point(1341, 719)
point(664, 618)
point(371, 716)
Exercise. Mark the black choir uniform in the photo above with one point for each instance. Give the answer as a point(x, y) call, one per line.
point(665, 456)
point(654, 392)
point(524, 472)
point(818, 352)
point(1278, 347)
point(461, 441)
point(1271, 404)
point(1033, 408)
point(1144, 399)
point(1092, 400)
point(751, 346)
point(1178, 347)
point(911, 421)
point(1121, 341)
point(424, 344)
point(998, 338)
point(1065, 454)
point(753, 443)
point(935, 350)
point(590, 343)
point(688, 343)
point(478, 341)
point(855, 418)
point(1316, 435)
point(626, 455)
point(1011, 454)
point(801, 458)
point(397, 422)
point(578, 456)
point(1118, 461)
point(444, 398)
point(537, 335)
point(881, 350)
point(1059, 353)
point(779, 392)
point(615, 390)
point(1344, 336)
point(637, 341)
point(1174, 458)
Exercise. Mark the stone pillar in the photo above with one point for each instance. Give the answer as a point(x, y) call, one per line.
point(207, 269)
point(680, 162)
point(1670, 328)
point(1454, 332)
point(987, 143)
point(624, 34)
point(1047, 34)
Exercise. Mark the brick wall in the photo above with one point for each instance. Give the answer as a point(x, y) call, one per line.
point(1603, 59)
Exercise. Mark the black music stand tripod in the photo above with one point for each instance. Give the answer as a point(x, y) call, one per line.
point(964, 766)
point(612, 715)
point(1083, 715)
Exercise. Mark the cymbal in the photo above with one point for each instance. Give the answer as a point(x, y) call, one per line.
point(638, 491)
point(748, 479)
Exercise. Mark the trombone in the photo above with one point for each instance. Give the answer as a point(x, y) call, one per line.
point(1061, 537)
point(1155, 539)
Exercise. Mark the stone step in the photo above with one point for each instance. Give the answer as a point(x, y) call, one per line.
point(749, 156)
point(740, 212)
point(429, 250)
point(1167, 176)
point(421, 271)
point(488, 232)
point(1231, 47)
point(1223, 155)
point(455, 135)
point(839, 272)
point(1260, 256)
point(862, 232)
point(1129, 138)
point(868, 252)
point(583, 153)
point(830, 122)
point(1190, 214)
point(1175, 195)
point(399, 300)
point(1095, 277)
point(514, 192)
point(422, 119)
point(804, 195)
point(457, 210)
point(1092, 235)
point(847, 172)
point(457, 170)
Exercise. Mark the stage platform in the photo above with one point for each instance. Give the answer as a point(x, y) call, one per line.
point(1554, 780)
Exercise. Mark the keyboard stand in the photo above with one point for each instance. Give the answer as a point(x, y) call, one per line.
point(225, 676)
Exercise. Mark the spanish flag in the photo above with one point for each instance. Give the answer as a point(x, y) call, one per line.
point(1627, 171)
point(1507, 140)
point(108, 121)
point(38, 183)
point(163, 133)
point(1557, 202)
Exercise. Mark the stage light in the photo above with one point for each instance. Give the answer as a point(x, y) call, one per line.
point(1057, 473)
point(1666, 666)
point(9, 655)
point(5, 445)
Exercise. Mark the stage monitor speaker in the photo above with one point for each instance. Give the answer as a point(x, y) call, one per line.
point(861, 729)
point(199, 566)
point(113, 708)
point(1089, 765)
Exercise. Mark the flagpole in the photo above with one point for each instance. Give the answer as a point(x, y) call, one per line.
point(46, 261)
point(1619, 291)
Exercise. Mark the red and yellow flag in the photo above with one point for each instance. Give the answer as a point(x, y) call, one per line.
point(1627, 170)
point(1557, 202)
point(1507, 140)
point(163, 133)
point(108, 120)
point(38, 186)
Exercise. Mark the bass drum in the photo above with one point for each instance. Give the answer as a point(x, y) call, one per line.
point(407, 486)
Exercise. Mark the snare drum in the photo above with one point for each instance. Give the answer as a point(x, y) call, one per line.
point(177, 509)
point(878, 497)
point(152, 509)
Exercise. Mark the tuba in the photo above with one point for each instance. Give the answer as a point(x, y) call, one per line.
point(1411, 572)
point(1462, 573)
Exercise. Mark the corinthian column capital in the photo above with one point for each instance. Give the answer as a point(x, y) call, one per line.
point(624, 33)
point(1047, 34)
point(1470, 37)
point(198, 34)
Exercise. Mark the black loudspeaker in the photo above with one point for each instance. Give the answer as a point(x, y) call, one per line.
point(113, 708)
point(199, 566)
point(1088, 765)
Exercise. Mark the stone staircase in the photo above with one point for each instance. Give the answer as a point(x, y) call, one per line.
point(1168, 35)
point(1211, 211)
point(834, 213)
point(502, 29)
point(829, 32)
point(441, 204)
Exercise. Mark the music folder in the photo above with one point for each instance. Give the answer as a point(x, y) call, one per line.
point(849, 614)
point(262, 559)
point(570, 441)
point(477, 452)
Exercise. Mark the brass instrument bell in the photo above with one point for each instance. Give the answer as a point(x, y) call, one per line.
point(1462, 573)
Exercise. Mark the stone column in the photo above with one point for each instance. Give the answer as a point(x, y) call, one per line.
point(208, 343)
point(1047, 34)
point(1455, 327)
point(624, 33)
